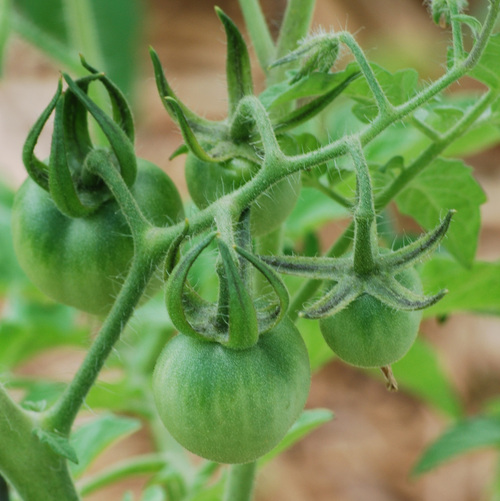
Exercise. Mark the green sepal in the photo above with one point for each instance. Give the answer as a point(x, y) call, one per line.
point(38, 170)
point(243, 328)
point(198, 123)
point(118, 140)
point(337, 298)
point(390, 292)
point(238, 72)
point(187, 132)
point(61, 185)
point(173, 251)
point(122, 113)
point(311, 109)
point(317, 268)
point(58, 444)
point(178, 303)
point(181, 150)
point(273, 317)
point(75, 125)
point(418, 250)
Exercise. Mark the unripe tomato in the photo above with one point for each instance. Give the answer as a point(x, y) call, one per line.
point(368, 333)
point(208, 181)
point(82, 262)
point(232, 406)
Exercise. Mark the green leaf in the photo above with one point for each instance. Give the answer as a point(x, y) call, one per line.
point(420, 373)
point(94, 437)
point(313, 210)
point(462, 437)
point(41, 394)
point(307, 422)
point(487, 69)
point(31, 323)
point(442, 186)
point(315, 84)
point(398, 87)
point(476, 289)
point(59, 445)
point(47, 15)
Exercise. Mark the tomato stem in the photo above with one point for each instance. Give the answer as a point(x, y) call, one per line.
point(240, 482)
point(62, 415)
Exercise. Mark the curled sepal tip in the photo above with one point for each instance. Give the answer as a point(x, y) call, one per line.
point(418, 250)
point(337, 298)
point(270, 318)
point(37, 170)
point(122, 113)
point(61, 186)
point(187, 132)
point(173, 251)
point(118, 139)
point(178, 303)
point(390, 292)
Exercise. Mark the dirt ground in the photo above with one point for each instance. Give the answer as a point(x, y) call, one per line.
point(367, 452)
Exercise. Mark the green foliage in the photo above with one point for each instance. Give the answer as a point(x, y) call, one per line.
point(475, 289)
point(447, 184)
point(91, 438)
point(464, 436)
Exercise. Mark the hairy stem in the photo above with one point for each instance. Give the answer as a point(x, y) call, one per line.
point(62, 415)
point(240, 482)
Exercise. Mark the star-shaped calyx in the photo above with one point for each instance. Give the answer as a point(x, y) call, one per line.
point(369, 269)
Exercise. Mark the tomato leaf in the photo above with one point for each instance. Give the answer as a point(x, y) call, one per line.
point(419, 372)
point(398, 87)
point(462, 437)
point(92, 438)
point(445, 185)
point(476, 289)
point(487, 69)
point(57, 443)
point(315, 84)
point(307, 422)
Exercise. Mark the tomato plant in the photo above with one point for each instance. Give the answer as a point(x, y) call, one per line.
point(228, 372)
point(258, 393)
point(82, 262)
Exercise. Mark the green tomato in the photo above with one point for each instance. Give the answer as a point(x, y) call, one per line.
point(232, 406)
point(208, 181)
point(82, 262)
point(368, 333)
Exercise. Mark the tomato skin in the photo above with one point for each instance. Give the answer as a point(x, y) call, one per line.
point(232, 406)
point(208, 181)
point(368, 333)
point(82, 262)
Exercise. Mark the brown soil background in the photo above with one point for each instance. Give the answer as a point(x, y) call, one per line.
point(367, 452)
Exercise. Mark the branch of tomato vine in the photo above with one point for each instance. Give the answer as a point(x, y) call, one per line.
point(309, 288)
point(151, 243)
